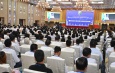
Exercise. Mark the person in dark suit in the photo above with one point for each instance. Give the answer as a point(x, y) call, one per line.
point(39, 66)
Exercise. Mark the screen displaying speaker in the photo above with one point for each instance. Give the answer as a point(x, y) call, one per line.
point(53, 16)
point(108, 16)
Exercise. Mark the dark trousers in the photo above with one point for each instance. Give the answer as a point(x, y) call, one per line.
point(18, 64)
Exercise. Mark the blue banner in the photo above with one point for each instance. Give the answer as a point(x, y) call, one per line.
point(79, 18)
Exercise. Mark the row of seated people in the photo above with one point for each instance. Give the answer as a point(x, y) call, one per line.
point(40, 37)
point(57, 51)
point(39, 57)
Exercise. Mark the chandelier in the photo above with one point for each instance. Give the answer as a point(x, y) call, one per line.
point(83, 5)
point(56, 8)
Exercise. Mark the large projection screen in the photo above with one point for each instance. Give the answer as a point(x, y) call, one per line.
point(79, 18)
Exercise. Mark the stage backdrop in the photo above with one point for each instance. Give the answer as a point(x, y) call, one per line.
point(79, 18)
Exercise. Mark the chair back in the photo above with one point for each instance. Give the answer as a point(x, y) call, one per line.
point(24, 48)
point(69, 58)
point(112, 69)
point(27, 60)
point(32, 71)
point(10, 59)
point(92, 68)
point(111, 59)
point(47, 53)
point(57, 65)
point(97, 58)
point(5, 68)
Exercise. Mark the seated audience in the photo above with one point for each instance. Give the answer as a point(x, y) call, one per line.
point(33, 48)
point(87, 54)
point(15, 46)
point(39, 66)
point(94, 50)
point(68, 48)
point(81, 65)
point(16, 60)
point(39, 39)
point(47, 47)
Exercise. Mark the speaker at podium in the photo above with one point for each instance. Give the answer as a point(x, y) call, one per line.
point(104, 27)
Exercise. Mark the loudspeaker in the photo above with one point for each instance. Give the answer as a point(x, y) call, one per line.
point(104, 27)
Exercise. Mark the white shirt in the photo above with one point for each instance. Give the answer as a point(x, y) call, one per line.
point(96, 51)
point(29, 53)
point(16, 47)
point(48, 48)
point(6, 36)
point(90, 60)
point(15, 58)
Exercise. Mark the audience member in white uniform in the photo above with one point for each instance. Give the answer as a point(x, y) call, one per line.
point(81, 65)
point(57, 41)
point(94, 50)
point(15, 46)
point(47, 47)
point(39, 39)
point(57, 52)
point(69, 49)
point(111, 49)
point(16, 60)
point(33, 48)
point(6, 34)
point(77, 46)
point(52, 35)
point(87, 54)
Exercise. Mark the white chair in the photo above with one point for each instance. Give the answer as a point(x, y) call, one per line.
point(61, 44)
point(57, 65)
point(97, 58)
point(111, 59)
point(1, 46)
point(69, 58)
point(32, 71)
point(47, 53)
point(40, 45)
point(99, 46)
point(24, 48)
point(5, 68)
point(77, 50)
point(27, 60)
point(92, 68)
point(10, 60)
point(86, 44)
point(112, 69)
